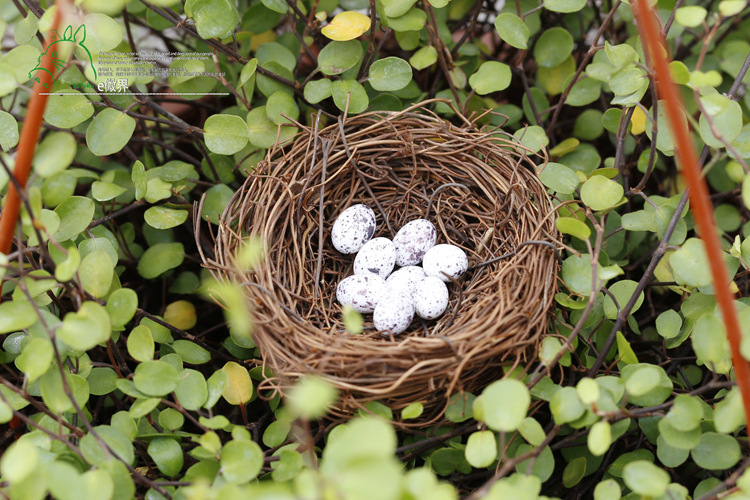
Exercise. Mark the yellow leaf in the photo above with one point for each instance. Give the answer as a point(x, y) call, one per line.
point(180, 314)
point(239, 388)
point(346, 26)
point(638, 121)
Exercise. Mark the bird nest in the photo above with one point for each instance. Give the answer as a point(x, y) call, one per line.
point(478, 187)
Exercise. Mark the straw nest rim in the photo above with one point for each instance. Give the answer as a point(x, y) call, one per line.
point(478, 187)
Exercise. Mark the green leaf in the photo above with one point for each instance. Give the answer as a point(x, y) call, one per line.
point(647, 393)
point(669, 455)
point(276, 5)
point(566, 406)
point(574, 472)
point(213, 18)
point(645, 478)
point(413, 20)
point(272, 51)
point(165, 218)
point(600, 193)
point(276, 433)
point(492, 76)
point(424, 57)
point(608, 489)
point(155, 378)
point(248, 70)
point(160, 258)
point(140, 180)
point(191, 390)
point(317, 90)
point(351, 91)
point(190, 352)
point(481, 449)
point(75, 214)
point(215, 386)
point(669, 324)
point(225, 134)
point(36, 358)
point(573, 227)
point(19, 460)
point(217, 199)
point(102, 380)
point(729, 414)
point(54, 154)
point(8, 131)
point(68, 110)
point(559, 177)
point(414, 410)
point(86, 328)
point(726, 116)
point(553, 47)
point(311, 397)
point(16, 315)
point(622, 292)
point(96, 272)
point(729, 8)
point(577, 273)
point(56, 397)
point(460, 407)
point(599, 438)
point(565, 6)
point(281, 108)
point(167, 454)
point(503, 404)
point(686, 413)
point(716, 452)
point(105, 191)
point(141, 344)
point(116, 440)
point(690, 264)
point(397, 8)
point(512, 30)
point(389, 74)
point(337, 57)
point(241, 461)
point(690, 16)
point(109, 132)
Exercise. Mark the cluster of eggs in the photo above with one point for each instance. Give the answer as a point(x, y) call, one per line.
point(395, 296)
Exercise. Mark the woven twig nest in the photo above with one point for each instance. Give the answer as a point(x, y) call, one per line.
point(479, 189)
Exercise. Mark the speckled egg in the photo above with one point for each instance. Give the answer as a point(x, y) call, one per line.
point(377, 256)
point(443, 258)
point(405, 279)
point(413, 240)
point(353, 228)
point(431, 298)
point(394, 313)
point(362, 292)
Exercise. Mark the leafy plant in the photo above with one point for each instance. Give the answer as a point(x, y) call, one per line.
point(129, 372)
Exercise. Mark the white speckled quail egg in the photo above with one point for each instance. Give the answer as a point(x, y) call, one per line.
point(405, 279)
point(413, 240)
point(377, 256)
point(431, 298)
point(444, 258)
point(362, 292)
point(394, 313)
point(353, 228)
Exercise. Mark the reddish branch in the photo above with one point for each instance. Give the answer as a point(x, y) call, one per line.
point(32, 124)
point(699, 199)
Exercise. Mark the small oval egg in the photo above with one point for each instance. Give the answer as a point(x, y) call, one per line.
point(362, 292)
point(394, 313)
point(431, 298)
point(353, 228)
point(413, 240)
point(444, 258)
point(377, 256)
point(405, 279)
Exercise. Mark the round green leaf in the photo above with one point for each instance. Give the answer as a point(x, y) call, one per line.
point(726, 116)
point(600, 193)
point(564, 5)
point(141, 344)
point(413, 20)
point(481, 449)
point(273, 51)
point(716, 451)
point(213, 18)
point(191, 390)
point(281, 108)
point(36, 358)
point(414, 410)
point(191, 352)
point(317, 90)
point(351, 91)
point(424, 57)
point(566, 406)
point(337, 57)
point(75, 214)
point(622, 291)
point(503, 404)
point(8, 131)
point(599, 438)
point(512, 30)
point(645, 478)
point(55, 396)
point(573, 227)
point(105, 191)
point(68, 110)
point(690, 16)
point(553, 47)
point(165, 218)
point(19, 461)
point(389, 74)
point(217, 198)
point(645, 392)
point(686, 413)
point(533, 137)
point(167, 454)
point(690, 264)
point(16, 315)
point(492, 76)
point(102, 380)
point(669, 324)
point(160, 258)
point(241, 461)
point(87, 327)
point(558, 177)
point(155, 378)
point(96, 272)
point(225, 134)
point(311, 397)
point(109, 132)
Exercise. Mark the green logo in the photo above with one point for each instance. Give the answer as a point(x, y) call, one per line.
point(60, 47)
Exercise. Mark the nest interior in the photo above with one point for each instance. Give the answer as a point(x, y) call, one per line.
point(480, 190)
